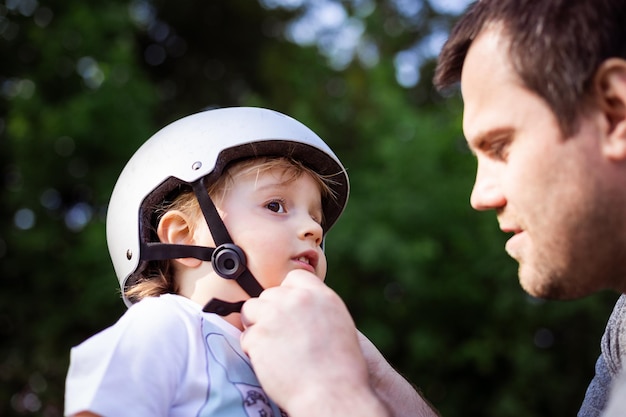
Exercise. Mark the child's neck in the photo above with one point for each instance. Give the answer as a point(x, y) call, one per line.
point(201, 289)
point(235, 320)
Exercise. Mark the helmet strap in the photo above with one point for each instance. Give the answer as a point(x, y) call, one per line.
point(157, 251)
point(229, 260)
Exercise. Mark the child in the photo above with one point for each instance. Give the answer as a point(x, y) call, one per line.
point(208, 212)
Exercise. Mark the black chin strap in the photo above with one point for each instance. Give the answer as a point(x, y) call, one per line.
point(228, 260)
point(155, 251)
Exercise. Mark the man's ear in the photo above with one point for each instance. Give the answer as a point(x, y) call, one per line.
point(175, 227)
point(610, 85)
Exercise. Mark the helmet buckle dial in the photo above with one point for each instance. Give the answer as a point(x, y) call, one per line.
point(228, 260)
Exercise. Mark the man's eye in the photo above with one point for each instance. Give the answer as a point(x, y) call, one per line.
point(495, 144)
point(276, 206)
point(501, 152)
point(498, 149)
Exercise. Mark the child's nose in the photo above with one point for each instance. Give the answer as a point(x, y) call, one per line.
point(311, 229)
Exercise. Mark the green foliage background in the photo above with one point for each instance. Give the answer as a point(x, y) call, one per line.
point(83, 84)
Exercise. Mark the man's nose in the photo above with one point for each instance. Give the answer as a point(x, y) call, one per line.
point(487, 192)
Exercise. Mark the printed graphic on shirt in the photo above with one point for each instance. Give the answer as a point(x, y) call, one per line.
point(234, 390)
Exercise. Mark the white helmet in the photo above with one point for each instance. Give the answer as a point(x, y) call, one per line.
point(198, 148)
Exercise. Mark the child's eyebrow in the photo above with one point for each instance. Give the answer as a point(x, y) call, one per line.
point(272, 185)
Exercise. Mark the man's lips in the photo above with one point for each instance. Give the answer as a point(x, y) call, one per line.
point(509, 227)
point(513, 245)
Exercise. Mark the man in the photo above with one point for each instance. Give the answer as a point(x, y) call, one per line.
point(544, 90)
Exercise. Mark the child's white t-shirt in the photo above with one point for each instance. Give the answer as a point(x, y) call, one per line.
point(165, 357)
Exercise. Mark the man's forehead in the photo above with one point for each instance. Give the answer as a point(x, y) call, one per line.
point(489, 51)
point(488, 83)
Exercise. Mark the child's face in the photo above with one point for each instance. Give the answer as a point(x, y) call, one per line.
point(276, 223)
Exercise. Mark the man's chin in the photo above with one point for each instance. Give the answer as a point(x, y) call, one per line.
point(537, 285)
point(550, 290)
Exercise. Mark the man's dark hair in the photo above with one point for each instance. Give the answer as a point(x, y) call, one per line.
point(555, 47)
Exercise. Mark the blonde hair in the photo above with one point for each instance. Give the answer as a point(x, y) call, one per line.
point(158, 276)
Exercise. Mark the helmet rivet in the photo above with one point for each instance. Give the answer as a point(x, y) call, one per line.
point(196, 165)
point(129, 254)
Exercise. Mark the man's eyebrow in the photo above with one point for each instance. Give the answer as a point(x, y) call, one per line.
point(485, 138)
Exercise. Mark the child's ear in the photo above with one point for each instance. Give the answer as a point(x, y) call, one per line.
point(175, 227)
point(610, 84)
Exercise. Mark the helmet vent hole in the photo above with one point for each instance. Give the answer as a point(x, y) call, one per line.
point(129, 254)
point(196, 165)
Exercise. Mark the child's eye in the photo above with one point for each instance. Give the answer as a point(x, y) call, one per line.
point(318, 219)
point(276, 206)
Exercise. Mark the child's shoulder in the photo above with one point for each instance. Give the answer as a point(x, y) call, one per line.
point(149, 331)
point(166, 308)
point(151, 320)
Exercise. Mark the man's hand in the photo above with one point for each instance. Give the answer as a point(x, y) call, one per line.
point(304, 347)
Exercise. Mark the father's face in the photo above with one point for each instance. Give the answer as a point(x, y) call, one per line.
point(547, 190)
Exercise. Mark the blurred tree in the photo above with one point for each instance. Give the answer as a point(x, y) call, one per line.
point(73, 106)
point(205, 54)
point(81, 86)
